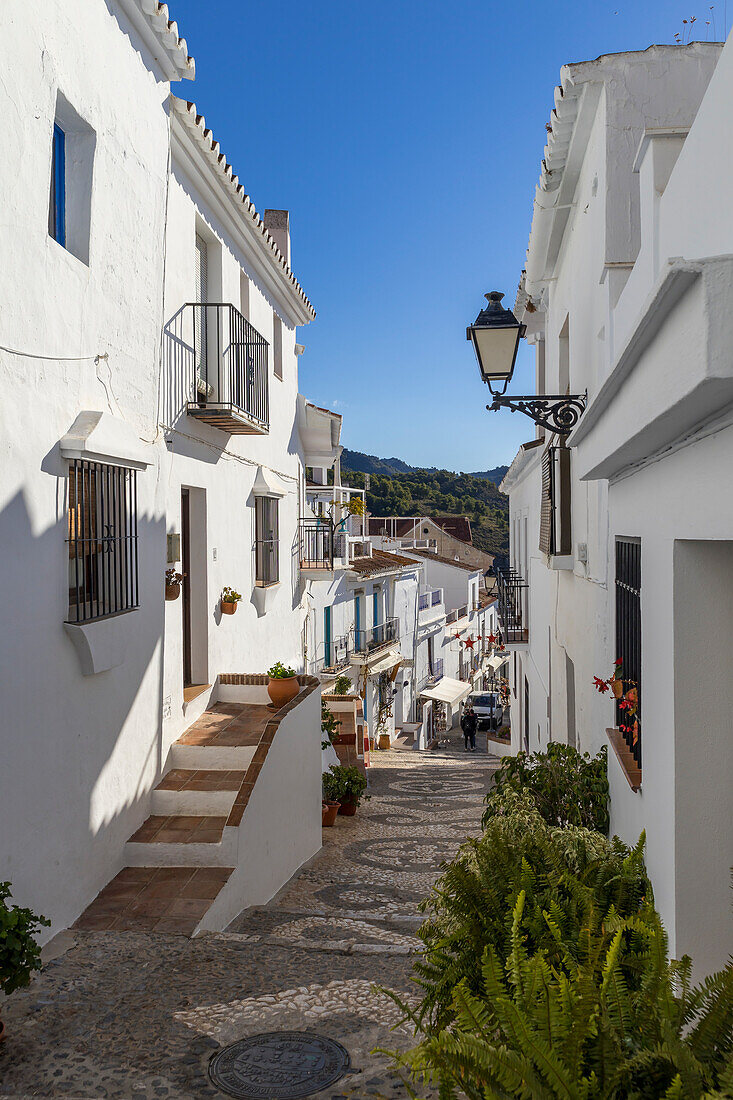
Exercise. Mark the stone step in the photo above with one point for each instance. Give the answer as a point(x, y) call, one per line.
point(212, 757)
point(154, 899)
point(179, 840)
point(195, 792)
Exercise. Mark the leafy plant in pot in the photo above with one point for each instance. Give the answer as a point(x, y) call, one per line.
point(351, 785)
point(329, 725)
point(283, 684)
point(172, 584)
point(20, 955)
point(331, 804)
point(229, 600)
point(342, 685)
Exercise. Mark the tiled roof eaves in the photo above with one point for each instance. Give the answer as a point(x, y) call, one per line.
point(427, 555)
point(196, 124)
point(153, 19)
point(381, 562)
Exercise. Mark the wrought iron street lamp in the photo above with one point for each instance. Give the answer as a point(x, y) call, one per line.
point(495, 335)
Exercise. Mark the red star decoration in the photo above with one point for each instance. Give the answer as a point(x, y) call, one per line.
point(491, 639)
point(457, 637)
point(469, 643)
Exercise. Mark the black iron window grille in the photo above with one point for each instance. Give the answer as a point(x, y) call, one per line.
point(267, 541)
point(339, 652)
point(628, 639)
point(102, 541)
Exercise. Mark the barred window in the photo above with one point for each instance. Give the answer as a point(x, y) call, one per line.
point(267, 541)
point(628, 639)
point(102, 540)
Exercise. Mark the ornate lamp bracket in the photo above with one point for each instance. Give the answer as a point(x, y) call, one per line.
point(557, 413)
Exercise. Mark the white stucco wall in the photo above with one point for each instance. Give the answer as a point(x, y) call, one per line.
point(671, 499)
point(79, 752)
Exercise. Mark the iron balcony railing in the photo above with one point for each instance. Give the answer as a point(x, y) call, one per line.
point(316, 543)
point(376, 637)
point(437, 673)
point(337, 653)
point(512, 591)
point(430, 599)
point(229, 364)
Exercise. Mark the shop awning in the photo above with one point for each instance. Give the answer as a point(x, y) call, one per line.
point(385, 663)
point(448, 691)
point(497, 661)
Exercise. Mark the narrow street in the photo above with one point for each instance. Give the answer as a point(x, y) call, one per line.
point(137, 1015)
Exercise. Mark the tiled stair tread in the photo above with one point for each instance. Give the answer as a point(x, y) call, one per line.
point(160, 899)
point(228, 725)
point(182, 779)
point(179, 829)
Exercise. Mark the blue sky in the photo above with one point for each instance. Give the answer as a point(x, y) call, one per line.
point(405, 138)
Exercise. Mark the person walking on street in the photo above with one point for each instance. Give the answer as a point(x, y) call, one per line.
point(469, 721)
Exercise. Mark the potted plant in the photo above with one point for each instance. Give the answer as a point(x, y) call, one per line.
point(229, 600)
point(349, 788)
point(172, 584)
point(331, 804)
point(283, 684)
point(20, 955)
point(342, 685)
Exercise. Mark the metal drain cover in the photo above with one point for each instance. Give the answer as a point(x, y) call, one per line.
point(278, 1065)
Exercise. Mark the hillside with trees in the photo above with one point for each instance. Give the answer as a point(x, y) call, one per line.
point(416, 492)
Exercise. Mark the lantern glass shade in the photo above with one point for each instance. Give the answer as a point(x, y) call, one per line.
point(495, 336)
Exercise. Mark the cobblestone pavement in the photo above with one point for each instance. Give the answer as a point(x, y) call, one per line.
point(123, 1015)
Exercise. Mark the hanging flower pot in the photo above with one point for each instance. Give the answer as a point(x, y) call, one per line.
point(172, 584)
point(617, 687)
point(229, 600)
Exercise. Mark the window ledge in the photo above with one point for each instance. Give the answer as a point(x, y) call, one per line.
point(264, 597)
point(629, 767)
point(562, 561)
point(102, 643)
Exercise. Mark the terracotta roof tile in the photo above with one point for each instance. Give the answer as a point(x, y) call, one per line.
point(381, 561)
point(428, 555)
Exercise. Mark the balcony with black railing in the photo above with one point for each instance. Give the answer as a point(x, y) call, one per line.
point(368, 641)
point(512, 591)
point(317, 545)
point(226, 367)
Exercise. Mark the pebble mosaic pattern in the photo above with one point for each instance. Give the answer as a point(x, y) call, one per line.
point(136, 1014)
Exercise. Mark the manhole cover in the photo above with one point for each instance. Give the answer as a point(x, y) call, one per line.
point(278, 1065)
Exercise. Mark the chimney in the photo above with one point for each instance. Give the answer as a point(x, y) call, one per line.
point(277, 223)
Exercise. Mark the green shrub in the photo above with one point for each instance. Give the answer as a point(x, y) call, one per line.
point(342, 685)
point(329, 725)
point(280, 672)
point(341, 783)
point(566, 787)
point(20, 955)
point(605, 1016)
point(563, 872)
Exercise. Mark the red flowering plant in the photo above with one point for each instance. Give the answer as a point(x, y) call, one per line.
point(626, 694)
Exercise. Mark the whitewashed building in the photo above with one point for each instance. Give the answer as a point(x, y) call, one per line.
point(622, 534)
point(149, 422)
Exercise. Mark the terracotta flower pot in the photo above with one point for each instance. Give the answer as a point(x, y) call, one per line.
point(172, 591)
point(281, 691)
point(347, 807)
point(228, 608)
point(330, 810)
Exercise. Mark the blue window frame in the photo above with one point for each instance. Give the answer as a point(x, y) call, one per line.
point(57, 203)
point(357, 614)
point(375, 620)
point(327, 636)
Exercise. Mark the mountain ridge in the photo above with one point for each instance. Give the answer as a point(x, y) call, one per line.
point(388, 467)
